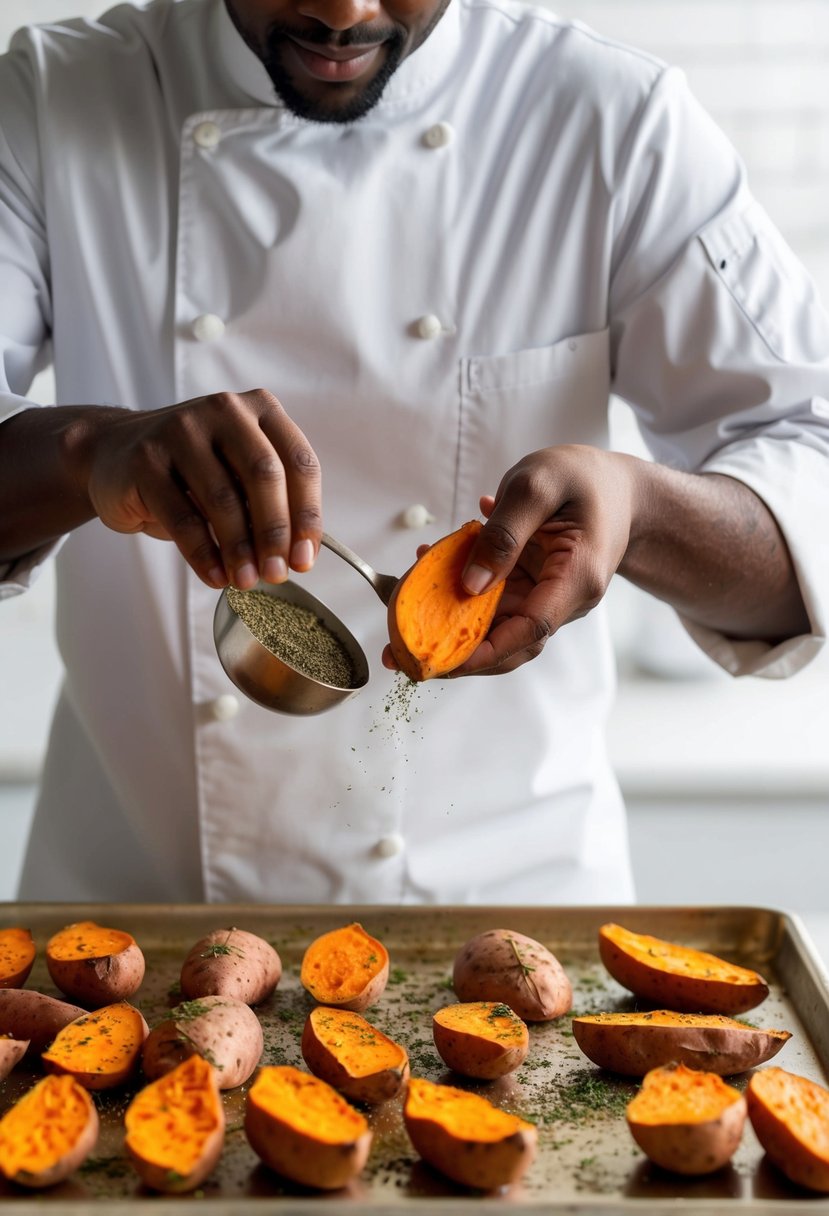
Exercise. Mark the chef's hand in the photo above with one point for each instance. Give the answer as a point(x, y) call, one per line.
point(556, 531)
point(229, 478)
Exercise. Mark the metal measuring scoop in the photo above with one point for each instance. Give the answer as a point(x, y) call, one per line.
point(269, 680)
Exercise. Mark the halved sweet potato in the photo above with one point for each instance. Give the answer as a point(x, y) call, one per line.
point(342, 1048)
point(510, 968)
point(483, 1039)
point(34, 1016)
point(687, 1121)
point(175, 1128)
point(346, 968)
point(678, 977)
point(790, 1117)
point(231, 962)
point(95, 965)
point(101, 1049)
point(17, 955)
point(224, 1031)
point(434, 624)
point(303, 1129)
point(634, 1043)
point(48, 1133)
point(465, 1137)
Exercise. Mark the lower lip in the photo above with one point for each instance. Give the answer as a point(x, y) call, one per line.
point(337, 70)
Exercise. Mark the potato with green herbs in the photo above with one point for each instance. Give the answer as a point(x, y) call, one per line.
point(506, 967)
point(222, 1030)
point(231, 962)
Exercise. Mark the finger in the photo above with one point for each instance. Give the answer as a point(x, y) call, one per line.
point(510, 644)
point(221, 500)
point(520, 508)
point(178, 518)
point(303, 489)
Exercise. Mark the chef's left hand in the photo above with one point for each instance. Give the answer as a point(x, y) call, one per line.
point(556, 531)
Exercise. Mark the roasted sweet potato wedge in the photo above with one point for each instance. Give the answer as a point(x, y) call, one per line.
point(633, 1043)
point(678, 977)
point(687, 1121)
point(790, 1117)
point(342, 1048)
point(482, 1039)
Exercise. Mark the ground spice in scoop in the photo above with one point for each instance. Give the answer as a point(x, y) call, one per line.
point(294, 634)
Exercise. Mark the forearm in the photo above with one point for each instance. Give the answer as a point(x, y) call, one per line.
point(707, 545)
point(42, 489)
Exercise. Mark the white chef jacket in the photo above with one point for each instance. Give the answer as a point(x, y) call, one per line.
point(531, 218)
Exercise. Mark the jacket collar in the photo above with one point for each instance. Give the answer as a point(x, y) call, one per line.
point(416, 74)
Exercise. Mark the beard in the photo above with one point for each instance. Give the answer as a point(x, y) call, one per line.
point(344, 103)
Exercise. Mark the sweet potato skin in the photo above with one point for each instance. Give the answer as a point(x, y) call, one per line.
point(100, 979)
point(223, 1030)
point(494, 1052)
point(231, 962)
point(425, 643)
point(790, 1148)
point(483, 1164)
point(504, 966)
point(12, 1052)
point(689, 1147)
point(297, 1155)
point(681, 982)
point(34, 1016)
point(634, 1044)
point(74, 1155)
point(370, 1088)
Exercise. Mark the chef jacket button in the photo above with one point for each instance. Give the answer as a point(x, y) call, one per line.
point(428, 326)
point(417, 516)
point(439, 135)
point(390, 846)
point(207, 135)
point(208, 327)
point(224, 707)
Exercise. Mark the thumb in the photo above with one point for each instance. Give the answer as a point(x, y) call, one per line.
point(492, 556)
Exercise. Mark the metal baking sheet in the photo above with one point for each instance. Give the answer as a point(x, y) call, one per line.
point(587, 1162)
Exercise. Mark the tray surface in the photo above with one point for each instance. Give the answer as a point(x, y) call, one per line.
point(586, 1161)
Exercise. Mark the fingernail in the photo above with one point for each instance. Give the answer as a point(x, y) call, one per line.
point(477, 579)
point(247, 576)
point(302, 555)
point(274, 570)
point(217, 576)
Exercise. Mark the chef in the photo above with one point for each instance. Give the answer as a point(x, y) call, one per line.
point(378, 265)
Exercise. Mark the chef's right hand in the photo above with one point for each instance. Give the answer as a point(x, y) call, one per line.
point(229, 478)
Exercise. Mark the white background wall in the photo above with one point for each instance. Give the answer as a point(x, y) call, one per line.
point(727, 782)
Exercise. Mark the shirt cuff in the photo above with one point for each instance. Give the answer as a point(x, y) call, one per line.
point(791, 478)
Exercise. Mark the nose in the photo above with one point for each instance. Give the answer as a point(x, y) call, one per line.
point(340, 14)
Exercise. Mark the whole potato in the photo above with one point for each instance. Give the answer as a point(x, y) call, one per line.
point(231, 962)
point(34, 1016)
point(222, 1030)
point(507, 967)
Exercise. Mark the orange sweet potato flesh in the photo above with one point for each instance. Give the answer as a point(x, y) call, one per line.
point(790, 1117)
point(47, 1134)
point(342, 1048)
point(434, 624)
point(678, 977)
point(100, 1050)
point(17, 954)
point(175, 1127)
point(466, 1137)
point(687, 1121)
point(346, 968)
point(303, 1129)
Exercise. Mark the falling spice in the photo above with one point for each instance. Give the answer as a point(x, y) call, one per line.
point(296, 635)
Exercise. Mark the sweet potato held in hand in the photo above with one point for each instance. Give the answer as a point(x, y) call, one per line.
point(434, 624)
